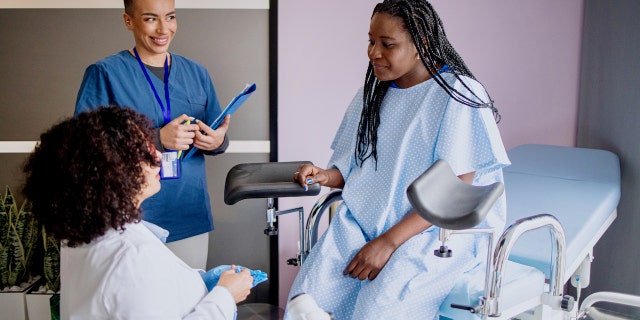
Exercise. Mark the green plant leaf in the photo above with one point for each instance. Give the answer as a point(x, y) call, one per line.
point(22, 241)
point(5, 221)
point(51, 261)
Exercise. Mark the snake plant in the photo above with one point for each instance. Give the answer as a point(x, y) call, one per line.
point(51, 261)
point(19, 236)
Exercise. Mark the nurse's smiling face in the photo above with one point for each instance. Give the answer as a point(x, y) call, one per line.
point(153, 23)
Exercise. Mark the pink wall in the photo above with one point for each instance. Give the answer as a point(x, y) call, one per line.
point(527, 54)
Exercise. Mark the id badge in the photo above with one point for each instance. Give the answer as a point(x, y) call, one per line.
point(170, 168)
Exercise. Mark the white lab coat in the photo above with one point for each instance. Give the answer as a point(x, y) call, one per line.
point(132, 275)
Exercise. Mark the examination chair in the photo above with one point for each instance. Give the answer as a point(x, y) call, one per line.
point(560, 201)
point(268, 180)
point(453, 203)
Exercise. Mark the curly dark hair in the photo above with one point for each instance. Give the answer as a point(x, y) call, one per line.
point(85, 173)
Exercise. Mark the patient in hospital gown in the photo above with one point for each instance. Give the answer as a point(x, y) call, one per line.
point(376, 259)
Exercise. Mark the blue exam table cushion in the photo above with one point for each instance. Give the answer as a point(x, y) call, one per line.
point(580, 187)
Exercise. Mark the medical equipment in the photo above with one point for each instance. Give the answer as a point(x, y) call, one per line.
point(269, 180)
point(560, 201)
point(589, 312)
point(440, 197)
point(449, 203)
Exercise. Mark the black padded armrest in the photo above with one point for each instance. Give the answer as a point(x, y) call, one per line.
point(265, 180)
point(444, 200)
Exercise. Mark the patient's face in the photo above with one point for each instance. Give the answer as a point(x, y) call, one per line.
point(392, 53)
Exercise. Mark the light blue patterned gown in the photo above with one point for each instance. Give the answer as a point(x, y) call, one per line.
point(418, 126)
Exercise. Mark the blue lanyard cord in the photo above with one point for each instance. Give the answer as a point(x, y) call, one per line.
point(166, 113)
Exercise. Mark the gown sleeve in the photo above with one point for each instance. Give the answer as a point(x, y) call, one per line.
point(344, 142)
point(469, 138)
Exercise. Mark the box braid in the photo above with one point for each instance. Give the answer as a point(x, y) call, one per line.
point(427, 32)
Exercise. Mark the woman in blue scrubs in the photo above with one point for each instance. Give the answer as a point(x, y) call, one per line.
point(178, 95)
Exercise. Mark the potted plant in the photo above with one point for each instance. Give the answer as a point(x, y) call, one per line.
point(19, 234)
point(40, 305)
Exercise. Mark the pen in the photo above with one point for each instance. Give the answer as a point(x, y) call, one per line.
point(180, 151)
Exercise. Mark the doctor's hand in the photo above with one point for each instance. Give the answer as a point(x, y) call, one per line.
point(209, 139)
point(239, 284)
point(370, 260)
point(176, 135)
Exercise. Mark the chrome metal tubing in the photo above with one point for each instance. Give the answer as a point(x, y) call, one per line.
point(311, 233)
point(271, 212)
point(300, 211)
point(503, 249)
point(610, 297)
point(489, 267)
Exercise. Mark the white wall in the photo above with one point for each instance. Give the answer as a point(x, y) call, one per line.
point(527, 54)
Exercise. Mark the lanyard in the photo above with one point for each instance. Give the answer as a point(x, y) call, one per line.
point(166, 113)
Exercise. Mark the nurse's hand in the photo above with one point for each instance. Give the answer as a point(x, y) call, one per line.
point(209, 139)
point(370, 260)
point(177, 135)
point(238, 283)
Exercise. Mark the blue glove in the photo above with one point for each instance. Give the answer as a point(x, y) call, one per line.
point(212, 276)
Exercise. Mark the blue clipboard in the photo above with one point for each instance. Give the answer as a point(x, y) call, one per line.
point(234, 105)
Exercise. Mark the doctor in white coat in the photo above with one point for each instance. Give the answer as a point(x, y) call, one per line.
point(103, 165)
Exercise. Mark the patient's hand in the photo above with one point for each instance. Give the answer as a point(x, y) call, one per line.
point(307, 174)
point(239, 284)
point(370, 260)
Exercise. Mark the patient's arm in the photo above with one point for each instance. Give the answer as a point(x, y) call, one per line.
point(368, 262)
point(467, 177)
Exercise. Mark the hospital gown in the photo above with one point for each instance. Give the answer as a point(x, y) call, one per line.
point(418, 126)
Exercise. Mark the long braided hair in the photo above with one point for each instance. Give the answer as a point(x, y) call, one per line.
point(425, 27)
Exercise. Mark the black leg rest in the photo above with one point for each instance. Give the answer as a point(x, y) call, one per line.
point(265, 180)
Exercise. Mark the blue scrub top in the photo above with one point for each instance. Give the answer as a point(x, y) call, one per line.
point(182, 206)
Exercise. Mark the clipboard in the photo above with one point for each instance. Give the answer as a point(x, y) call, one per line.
point(234, 105)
